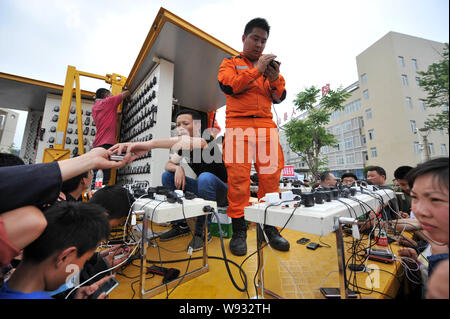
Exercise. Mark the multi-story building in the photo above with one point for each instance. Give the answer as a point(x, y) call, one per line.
point(380, 120)
point(8, 123)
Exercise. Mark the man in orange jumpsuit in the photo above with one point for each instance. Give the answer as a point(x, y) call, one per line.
point(251, 82)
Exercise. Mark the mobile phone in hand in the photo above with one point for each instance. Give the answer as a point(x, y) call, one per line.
point(107, 287)
point(118, 158)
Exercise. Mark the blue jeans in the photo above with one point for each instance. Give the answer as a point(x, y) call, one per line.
point(207, 186)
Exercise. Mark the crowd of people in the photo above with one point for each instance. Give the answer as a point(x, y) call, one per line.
point(50, 234)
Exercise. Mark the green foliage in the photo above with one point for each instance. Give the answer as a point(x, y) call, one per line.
point(307, 137)
point(435, 82)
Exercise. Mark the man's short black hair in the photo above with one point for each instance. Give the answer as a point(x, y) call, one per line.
point(325, 175)
point(116, 199)
point(195, 115)
point(101, 93)
point(7, 159)
point(349, 174)
point(378, 169)
point(401, 172)
point(72, 184)
point(69, 224)
point(437, 167)
point(256, 23)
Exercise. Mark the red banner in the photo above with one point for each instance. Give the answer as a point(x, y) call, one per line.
point(325, 89)
point(288, 171)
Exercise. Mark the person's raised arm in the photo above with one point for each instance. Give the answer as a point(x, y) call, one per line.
point(138, 149)
point(39, 184)
point(97, 158)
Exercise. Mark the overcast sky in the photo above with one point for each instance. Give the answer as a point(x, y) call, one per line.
point(316, 41)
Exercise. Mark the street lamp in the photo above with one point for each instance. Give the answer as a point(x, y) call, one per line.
point(424, 132)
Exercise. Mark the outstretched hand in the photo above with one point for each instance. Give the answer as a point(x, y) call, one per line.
point(131, 150)
point(100, 159)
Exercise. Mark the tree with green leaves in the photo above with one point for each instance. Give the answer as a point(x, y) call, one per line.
point(434, 82)
point(307, 137)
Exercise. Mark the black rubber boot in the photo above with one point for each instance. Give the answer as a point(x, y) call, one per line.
point(275, 240)
point(238, 242)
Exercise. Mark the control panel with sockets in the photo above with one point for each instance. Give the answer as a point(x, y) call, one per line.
point(147, 115)
point(47, 137)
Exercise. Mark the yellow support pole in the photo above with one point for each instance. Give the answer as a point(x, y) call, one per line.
point(58, 152)
point(117, 84)
point(79, 117)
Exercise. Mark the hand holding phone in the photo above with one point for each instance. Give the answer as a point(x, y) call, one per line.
point(106, 288)
point(118, 158)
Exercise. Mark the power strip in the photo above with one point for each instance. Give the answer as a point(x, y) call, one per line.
point(318, 219)
point(162, 212)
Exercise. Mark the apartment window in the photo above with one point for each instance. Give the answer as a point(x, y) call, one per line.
point(444, 149)
point(347, 126)
point(413, 126)
point(417, 81)
point(409, 103)
point(414, 62)
point(366, 157)
point(340, 160)
point(366, 94)
point(364, 141)
point(340, 145)
point(353, 106)
point(405, 80)
point(423, 105)
point(416, 148)
point(364, 78)
point(401, 61)
point(371, 134)
point(350, 158)
point(431, 148)
point(348, 143)
point(373, 151)
point(337, 130)
point(368, 114)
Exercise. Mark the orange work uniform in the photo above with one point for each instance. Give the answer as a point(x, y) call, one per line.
point(250, 133)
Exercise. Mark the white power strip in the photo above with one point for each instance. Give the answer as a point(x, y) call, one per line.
point(317, 220)
point(167, 212)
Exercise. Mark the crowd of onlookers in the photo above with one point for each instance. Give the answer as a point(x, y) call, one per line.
point(49, 236)
point(422, 210)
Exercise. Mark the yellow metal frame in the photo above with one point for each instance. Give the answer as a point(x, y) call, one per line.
point(73, 75)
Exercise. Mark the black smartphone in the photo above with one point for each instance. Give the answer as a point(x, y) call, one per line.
point(107, 287)
point(273, 63)
point(312, 246)
point(335, 293)
point(356, 267)
point(303, 241)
